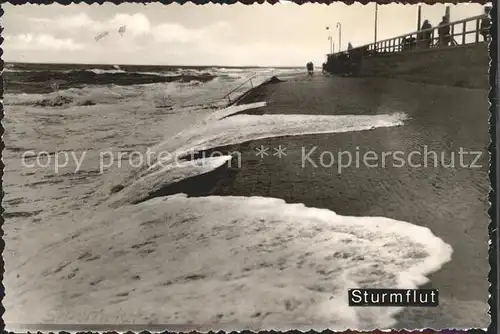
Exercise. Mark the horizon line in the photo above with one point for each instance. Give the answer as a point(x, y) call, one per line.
point(169, 65)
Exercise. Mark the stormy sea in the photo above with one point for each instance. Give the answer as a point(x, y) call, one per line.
point(99, 229)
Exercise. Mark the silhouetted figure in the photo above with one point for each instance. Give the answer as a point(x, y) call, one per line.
point(426, 34)
point(310, 68)
point(324, 68)
point(349, 46)
point(444, 32)
point(486, 25)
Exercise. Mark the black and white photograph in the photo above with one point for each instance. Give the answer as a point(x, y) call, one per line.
point(231, 167)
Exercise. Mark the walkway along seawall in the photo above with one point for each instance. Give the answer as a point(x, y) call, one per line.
point(423, 56)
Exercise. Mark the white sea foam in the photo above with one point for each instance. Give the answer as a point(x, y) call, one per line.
point(219, 131)
point(101, 71)
point(253, 262)
point(169, 174)
point(242, 128)
point(210, 118)
point(223, 69)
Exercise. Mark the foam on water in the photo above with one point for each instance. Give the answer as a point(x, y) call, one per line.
point(254, 262)
point(219, 130)
point(168, 174)
point(101, 71)
point(242, 128)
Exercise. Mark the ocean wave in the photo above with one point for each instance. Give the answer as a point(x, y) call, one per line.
point(44, 81)
point(230, 70)
point(146, 187)
point(185, 72)
point(290, 266)
point(63, 99)
point(192, 94)
point(100, 71)
point(13, 70)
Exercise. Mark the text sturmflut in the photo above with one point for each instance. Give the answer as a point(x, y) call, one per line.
point(393, 297)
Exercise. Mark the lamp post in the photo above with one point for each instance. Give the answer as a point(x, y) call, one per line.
point(339, 26)
point(330, 38)
point(419, 18)
point(376, 14)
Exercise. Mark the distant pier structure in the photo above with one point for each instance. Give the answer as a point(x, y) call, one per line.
point(471, 30)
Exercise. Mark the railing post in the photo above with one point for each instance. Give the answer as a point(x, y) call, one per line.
point(464, 30)
point(452, 33)
point(478, 26)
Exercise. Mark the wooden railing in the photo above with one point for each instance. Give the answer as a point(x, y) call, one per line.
point(228, 95)
point(466, 31)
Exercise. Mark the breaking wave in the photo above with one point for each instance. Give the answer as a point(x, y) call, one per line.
point(45, 81)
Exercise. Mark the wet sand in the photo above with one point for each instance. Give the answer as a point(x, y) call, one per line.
point(452, 201)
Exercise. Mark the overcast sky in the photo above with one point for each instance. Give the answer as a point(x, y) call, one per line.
point(285, 34)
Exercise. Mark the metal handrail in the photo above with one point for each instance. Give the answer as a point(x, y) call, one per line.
point(415, 40)
point(234, 89)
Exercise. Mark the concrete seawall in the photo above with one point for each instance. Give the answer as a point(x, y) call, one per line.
point(460, 66)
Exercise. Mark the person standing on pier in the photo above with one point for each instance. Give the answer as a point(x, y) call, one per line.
point(310, 68)
point(444, 32)
point(486, 25)
point(426, 34)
